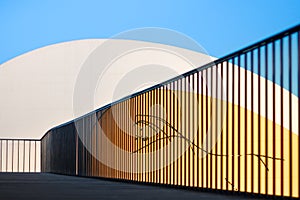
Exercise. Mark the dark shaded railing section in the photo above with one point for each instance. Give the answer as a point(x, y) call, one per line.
point(19, 155)
point(60, 158)
point(231, 125)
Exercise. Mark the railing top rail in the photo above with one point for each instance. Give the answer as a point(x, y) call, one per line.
point(17, 139)
point(208, 65)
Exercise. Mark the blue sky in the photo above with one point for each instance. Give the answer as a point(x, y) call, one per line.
point(221, 27)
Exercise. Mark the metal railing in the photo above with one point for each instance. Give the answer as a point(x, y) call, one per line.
point(19, 155)
point(231, 125)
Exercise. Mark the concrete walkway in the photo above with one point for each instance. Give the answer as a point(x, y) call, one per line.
point(50, 186)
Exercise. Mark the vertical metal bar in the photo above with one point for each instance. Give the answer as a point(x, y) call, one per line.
point(125, 140)
point(233, 123)
point(89, 143)
point(114, 132)
point(182, 143)
point(111, 137)
point(274, 122)
point(101, 141)
point(281, 114)
point(118, 157)
point(168, 120)
point(150, 119)
point(90, 132)
point(121, 118)
point(221, 126)
point(139, 143)
point(181, 146)
point(12, 155)
point(149, 136)
point(157, 137)
point(128, 135)
point(117, 133)
point(266, 111)
point(116, 139)
point(174, 124)
point(152, 135)
point(76, 148)
point(178, 174)
point(136, 137)
point(95, 147)
point(29, 154)
point(239, 123)
point(6, 155)
point(121, 131)
point(131, 139)
point(211, 119)
point(18, 164)
point(290, 112)
point(0, 155)
point(184, 130)
point(206, 116)
point(187, 124)
point(246, 122)
point(103, 149)
point(168, 133)
point(24, 156)
point(109, 133)
point(86, 143)
point(163, 128)
point(80, 145)
point(34, 156)
point(146, 135)
point(194, 174)
point(168, 141)
point(259, 123)
point(137, 113)
point(298, 51)
point(197, 127)
point(1, 146)
point(202, 130)
point(164, 121)
point(227, 135)
point(252, 124)
point(117, 110)
point(83, 147)
point(216, 128)
point(161, 142)
point(142, 140)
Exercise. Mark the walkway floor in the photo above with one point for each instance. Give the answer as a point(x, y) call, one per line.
point(50, 186)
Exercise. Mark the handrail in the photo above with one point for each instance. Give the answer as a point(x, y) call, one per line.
point(21, 139)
